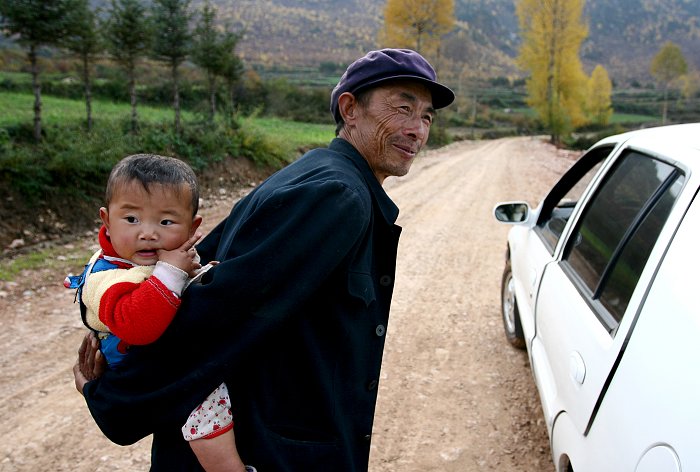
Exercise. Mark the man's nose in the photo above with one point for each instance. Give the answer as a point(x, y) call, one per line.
point(417, 128)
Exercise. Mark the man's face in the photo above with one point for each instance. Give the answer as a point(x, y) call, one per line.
point(393, 127)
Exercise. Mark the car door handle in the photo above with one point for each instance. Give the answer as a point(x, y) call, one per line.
point(577, 368)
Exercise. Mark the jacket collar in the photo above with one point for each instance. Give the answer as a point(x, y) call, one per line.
point(388, 208)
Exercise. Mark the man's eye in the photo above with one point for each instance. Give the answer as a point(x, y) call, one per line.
point(429, 119)
point(131, 219)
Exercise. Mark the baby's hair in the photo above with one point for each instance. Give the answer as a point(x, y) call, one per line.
point(148, 169)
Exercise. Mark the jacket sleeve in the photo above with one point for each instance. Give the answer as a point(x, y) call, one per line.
point(133, 304)
point(279, 255)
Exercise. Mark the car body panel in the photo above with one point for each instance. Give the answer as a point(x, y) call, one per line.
point(618, 396)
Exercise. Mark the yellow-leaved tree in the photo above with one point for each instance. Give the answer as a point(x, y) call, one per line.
point(552, 33)
point(599, 104)
point(417, 24)
point(668, 66)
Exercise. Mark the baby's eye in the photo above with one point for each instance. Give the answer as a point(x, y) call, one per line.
point(131, 219)
point(166, 222)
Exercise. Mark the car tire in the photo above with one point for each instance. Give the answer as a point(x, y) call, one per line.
point(509, 310)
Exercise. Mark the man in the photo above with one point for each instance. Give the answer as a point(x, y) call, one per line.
point(300, 297)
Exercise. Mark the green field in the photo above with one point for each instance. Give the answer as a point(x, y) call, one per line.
point(17, 108)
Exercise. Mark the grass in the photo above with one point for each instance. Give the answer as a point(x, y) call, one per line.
point(622, 118)
point(58, 257)
point(292, 133)
point(18, 108)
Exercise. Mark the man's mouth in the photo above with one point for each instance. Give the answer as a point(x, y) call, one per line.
point(409, 151)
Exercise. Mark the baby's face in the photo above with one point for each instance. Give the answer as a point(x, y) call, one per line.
point(139, 223)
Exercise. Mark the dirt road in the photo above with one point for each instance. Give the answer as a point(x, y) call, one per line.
point(454, 396)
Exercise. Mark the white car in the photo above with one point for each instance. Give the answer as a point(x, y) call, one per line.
point(598, 287)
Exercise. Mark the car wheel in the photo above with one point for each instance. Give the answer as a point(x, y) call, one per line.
point(509, 309)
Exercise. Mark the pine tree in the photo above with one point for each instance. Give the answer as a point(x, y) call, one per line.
point(84, 40)
point(127, 31)
point(204, 45)
point(171, 41)
point(231, 68)
point(417, 24)
point(552, 33)
point(37, 23)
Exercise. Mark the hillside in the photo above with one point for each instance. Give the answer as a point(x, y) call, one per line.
point(624, 34)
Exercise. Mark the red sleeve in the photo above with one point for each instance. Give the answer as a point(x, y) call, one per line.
point(138, 313)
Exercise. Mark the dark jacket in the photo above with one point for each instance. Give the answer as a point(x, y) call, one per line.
point(293, 319)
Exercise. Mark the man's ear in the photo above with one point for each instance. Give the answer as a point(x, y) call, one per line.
point(104, 216)
point(347, 107)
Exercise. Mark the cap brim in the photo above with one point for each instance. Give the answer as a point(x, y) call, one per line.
point(442, 95)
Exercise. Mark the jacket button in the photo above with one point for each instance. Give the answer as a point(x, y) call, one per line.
point(380, 330)
point(385, 280)
point(368, 437)
point(372, 385)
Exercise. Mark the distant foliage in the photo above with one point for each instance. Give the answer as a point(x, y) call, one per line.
point(599, 102)
point(128, 37)
point(417, 24)
point(552, 32)
point(84, 41)
point(668, 65)
point(172, 41)
point(37, 23)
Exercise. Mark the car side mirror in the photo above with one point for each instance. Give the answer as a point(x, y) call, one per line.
point(512, 212)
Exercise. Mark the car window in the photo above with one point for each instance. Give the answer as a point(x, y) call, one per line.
point(561, 200)
point(609, 248)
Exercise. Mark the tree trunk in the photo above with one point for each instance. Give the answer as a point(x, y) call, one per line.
point(132, 92)
point(664, 113)
point(88, 92)
point(232, 103)
point(36, 86)
point(212, 97)
point(176, 96)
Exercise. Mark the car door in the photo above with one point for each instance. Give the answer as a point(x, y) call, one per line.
point(586, 294)
point(534, 248)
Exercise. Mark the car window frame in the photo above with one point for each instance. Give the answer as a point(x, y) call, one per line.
point(595, 156)
point(592, 298)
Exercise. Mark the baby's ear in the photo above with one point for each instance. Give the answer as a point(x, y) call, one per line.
point(196, 221)
point(104, 216)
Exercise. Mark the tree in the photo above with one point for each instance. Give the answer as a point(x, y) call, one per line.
point(208, 52)
point(37, 23)
point(418, 24)
point(552, 33)
point(84, 40)
point(599, 93)
point(667, 66)
point(127, 32)
point(171, 41)
point(231, 67)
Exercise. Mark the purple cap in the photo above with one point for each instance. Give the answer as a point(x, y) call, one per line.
point(388, 64)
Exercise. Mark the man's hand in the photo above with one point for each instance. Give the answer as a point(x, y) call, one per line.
point(90, 364)
point(185, 257)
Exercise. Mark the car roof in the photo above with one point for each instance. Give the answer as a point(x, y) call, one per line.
point(661, 139)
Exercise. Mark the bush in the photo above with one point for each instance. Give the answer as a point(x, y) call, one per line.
point(75, 163)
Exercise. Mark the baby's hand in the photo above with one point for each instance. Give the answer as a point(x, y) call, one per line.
point(185, 257)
